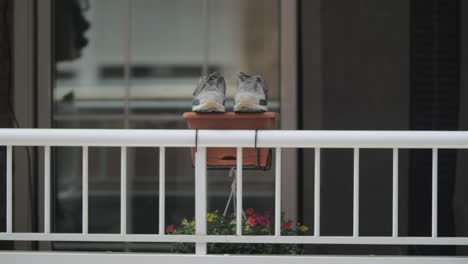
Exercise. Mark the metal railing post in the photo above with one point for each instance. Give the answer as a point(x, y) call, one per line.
point(278, 192)
point(123, 190)
point(435, 172)
point(9, 190)
point(200, 199)
point(162, 190)
point(317, 193)
point(239, 192)
point(356, 193)
point(395, 194)
point(85, 189)
point(47, 189)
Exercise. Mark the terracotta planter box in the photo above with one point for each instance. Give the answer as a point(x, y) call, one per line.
point(226, 157)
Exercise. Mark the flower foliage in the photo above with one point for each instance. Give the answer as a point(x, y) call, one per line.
point(254, 224)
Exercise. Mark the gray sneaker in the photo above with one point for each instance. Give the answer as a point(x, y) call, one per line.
point(251, 94)
point(209, 94)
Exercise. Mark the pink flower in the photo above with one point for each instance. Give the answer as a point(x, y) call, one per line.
point(287, 225)
point(249, 211)
point(267, 213)
point(251, 221)
point(264, 221)
point(169, 229)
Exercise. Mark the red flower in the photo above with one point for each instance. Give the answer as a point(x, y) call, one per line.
point(287, 225)
point(249, 211)
point(169, 229)
point(251, 221)
point(267, 213)
point(264, 221)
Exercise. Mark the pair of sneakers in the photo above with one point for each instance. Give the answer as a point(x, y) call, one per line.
point(209, 96)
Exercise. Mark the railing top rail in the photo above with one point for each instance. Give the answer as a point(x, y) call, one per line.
point(234, 138)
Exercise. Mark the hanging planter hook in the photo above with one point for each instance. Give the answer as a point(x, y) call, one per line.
point(256, 135)
point(196, 140)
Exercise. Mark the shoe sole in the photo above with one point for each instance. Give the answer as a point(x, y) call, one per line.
point(248, 107)
point(209, 107)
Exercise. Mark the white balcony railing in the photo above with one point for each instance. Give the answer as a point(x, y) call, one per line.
point(239, 139)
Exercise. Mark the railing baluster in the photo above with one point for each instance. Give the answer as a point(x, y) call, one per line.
point(200, 199)
point(123, 190)
point(162, 189)
point(85, 189)
point(9, 190)
point(317, 193)
point(278, 192)
point(395, 194)
point(356, 193)
point(435, 163)
point(47, 189)
point(239, 192)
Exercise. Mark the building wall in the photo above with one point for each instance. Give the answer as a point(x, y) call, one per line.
point(355, 76)
point(461, 195)
point(5, 85)
point(5, 48)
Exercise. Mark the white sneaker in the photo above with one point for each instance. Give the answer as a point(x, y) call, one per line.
point(209, 94)
point(251, 94)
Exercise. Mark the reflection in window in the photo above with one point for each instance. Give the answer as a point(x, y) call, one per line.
point(136, 67)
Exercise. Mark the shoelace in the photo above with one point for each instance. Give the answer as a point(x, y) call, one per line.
point(212, 80)
point(252, 83)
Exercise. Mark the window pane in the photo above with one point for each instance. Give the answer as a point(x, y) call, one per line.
point(89, 57)
point(135, 64)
